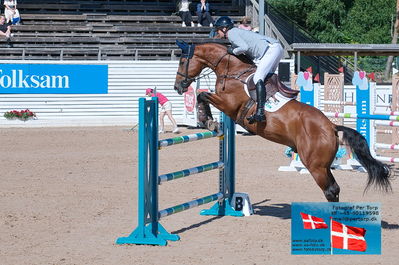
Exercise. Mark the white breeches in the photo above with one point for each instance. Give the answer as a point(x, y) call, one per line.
point(269, 62)
point(8, 14)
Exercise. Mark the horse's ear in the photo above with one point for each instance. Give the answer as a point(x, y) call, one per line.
point(187, 49)
point(181, 44)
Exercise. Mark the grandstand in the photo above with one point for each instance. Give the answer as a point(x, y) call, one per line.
point(105, 29)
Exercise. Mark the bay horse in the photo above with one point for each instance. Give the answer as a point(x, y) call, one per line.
point(297, 125)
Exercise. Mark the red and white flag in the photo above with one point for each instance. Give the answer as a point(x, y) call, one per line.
point(313, 222)
point(347, 237)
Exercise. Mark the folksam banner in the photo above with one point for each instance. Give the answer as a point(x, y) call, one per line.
point(53, 79)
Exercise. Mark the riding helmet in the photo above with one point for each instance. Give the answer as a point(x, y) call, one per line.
point(224, 22)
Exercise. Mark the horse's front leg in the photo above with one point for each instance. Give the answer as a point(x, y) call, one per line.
point(205, 113)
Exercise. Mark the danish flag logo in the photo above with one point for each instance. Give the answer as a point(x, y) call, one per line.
point(313, 222)
point(347, 237)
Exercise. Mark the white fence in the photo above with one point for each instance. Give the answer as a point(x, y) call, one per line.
point(127, 82)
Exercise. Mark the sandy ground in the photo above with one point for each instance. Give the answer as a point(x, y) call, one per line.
point(66, 195)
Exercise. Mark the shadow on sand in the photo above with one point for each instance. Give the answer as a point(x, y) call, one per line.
point(280, 210)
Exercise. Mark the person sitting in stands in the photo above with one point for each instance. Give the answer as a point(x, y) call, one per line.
point(5, 31)
point(185, 14)
point(204, 14)
point(166, 108)
point(11, 12)
point(245, 24)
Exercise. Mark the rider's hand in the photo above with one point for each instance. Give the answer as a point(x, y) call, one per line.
point(230, 50)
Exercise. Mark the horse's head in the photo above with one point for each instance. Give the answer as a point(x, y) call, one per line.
point(211, 55)
point(189, 67)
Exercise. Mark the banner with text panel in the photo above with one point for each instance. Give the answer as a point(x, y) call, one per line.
point(53, 79)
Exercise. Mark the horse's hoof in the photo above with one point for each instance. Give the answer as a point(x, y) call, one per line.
point(212, 125)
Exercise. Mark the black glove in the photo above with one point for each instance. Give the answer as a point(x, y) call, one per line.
point(230, 50)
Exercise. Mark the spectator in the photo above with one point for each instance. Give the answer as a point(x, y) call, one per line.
point(204, 14)
point(11, 12)
point(166, 108)
point(5, 31)
point(245, 24)
point(185, 14)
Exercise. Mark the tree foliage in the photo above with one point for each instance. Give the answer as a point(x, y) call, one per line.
point(325, 20)
point(370, 21)
point(342, 21)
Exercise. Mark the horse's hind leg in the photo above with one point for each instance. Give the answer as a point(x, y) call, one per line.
point(318, 163)
point(317, 145)
point(326, 181)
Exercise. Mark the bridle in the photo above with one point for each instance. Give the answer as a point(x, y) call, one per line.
point(189, 53)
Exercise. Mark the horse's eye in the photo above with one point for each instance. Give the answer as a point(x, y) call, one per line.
point(181, 62)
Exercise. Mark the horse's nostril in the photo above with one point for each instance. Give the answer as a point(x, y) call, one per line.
point(184, 84)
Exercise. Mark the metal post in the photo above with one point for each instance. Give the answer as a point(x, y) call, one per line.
point(172, 55)
point(143, 154)
point(227, 175)
point(355, 61)
point(148, 230)
point(298, 62)
point(262, 17)
point(152, 132)
point(231, 157)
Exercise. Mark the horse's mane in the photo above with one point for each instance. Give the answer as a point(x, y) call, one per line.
point(223, 44)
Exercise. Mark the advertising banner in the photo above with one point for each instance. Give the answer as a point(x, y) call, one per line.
point(53, 79)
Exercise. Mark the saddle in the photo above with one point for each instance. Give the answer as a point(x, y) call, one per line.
point(274, 85)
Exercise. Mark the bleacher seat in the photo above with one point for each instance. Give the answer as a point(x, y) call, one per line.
point(104, 29)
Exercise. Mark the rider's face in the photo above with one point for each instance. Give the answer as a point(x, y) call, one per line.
point(222, 33)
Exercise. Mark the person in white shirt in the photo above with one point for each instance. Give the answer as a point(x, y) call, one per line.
point(10, 10)
point(185, 14)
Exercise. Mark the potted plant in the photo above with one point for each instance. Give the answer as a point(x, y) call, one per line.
point(22, 115)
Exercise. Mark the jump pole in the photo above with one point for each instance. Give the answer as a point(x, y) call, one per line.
point(149, 231)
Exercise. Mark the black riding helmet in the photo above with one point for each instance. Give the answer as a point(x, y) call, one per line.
point(224, 22)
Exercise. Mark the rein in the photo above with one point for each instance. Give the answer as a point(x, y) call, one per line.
point(188, 79)
point(238, 75)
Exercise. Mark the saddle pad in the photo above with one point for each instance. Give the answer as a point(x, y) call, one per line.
point(272, 104)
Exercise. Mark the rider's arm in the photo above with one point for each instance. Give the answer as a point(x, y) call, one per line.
point(240, 46)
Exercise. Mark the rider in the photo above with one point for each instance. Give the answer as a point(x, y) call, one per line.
point(266, 53)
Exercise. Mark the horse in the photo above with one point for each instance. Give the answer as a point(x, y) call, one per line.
point(302, 127)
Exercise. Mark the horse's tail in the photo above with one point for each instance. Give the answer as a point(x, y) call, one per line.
point(378, 172)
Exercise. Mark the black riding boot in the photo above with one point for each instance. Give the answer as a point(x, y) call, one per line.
point(259, 115)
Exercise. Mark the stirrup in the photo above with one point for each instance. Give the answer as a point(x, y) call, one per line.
point(256, 118)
